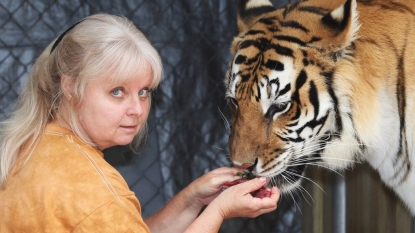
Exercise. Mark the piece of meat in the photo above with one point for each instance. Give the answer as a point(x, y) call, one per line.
point(260, 193)
point(235, 182)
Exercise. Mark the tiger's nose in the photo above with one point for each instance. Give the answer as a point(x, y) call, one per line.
point(248, 166)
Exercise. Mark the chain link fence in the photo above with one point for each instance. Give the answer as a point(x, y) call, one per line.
point(188, 121)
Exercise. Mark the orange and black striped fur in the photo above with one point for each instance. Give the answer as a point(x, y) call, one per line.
point(325, 82)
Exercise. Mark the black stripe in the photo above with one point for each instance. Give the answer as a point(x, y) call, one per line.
point(402, 153)
point(289, 8)
point(313, 95)
point(245, 77)
point(291, 39)
point(403, 168)
point(313, 124)
point(260, 43)
point(240, 59)
point(282, 50)
point(401, 96)
point(282, 138)
point(258, 96)
point(254, 32)
point(294, 24)
point(314, 39)
point(298, 170)
point(297, 139)
point(268, 21)
point(276, 81)
point(292, 124)
point(285, 89)
point(259, 93)
point(297, 114)
point(258, 63)
point(274, 65)
point(305, 62)
point(247, 43)
point(253, 60)
point(329, 83)
point(301, 79)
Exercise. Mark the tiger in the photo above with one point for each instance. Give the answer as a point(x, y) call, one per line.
point(324, 82)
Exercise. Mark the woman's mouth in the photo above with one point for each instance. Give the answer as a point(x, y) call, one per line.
point(129, 128)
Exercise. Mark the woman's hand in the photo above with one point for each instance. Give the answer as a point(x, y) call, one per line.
point(236, 201)
point(207, 187)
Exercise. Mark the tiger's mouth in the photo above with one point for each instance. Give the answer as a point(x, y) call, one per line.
point(287, 180)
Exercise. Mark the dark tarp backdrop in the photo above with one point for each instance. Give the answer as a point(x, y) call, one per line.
point(188, 131)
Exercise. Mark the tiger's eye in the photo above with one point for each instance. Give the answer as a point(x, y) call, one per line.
point(276, 108)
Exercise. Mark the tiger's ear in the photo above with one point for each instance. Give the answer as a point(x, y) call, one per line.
point(343, 25)
point(249, 11)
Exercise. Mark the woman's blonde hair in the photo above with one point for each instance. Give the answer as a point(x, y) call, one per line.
point(100, 45)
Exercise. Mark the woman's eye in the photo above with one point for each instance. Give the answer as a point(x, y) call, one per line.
point(117, 92)
point(143, 93)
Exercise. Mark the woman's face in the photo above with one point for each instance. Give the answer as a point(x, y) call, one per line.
point(112, 114)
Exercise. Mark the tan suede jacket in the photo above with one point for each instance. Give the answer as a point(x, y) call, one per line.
point(67, 186)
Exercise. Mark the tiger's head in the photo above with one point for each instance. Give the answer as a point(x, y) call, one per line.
point(285, 108)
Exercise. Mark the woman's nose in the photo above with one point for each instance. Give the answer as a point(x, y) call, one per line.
point(135, 107)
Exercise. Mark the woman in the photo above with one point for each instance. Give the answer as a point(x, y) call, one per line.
point(88, 91)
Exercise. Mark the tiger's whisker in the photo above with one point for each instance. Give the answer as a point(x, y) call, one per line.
point(294, 174)
point(225, 121)
point(290, 193)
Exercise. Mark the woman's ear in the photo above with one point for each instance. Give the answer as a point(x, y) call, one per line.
point(67, 85)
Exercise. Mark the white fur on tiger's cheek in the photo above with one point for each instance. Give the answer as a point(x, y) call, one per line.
point(271, 96)
point(265, 102)
point(340, 153)
point(306, 133)
point(234, 79)
point(325, 106)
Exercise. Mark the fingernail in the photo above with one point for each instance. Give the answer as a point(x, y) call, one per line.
point(262, 179)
